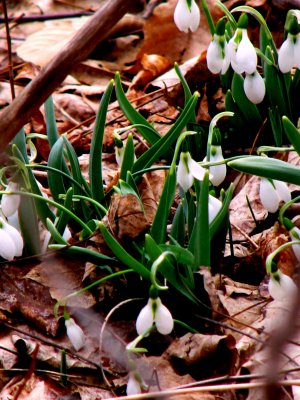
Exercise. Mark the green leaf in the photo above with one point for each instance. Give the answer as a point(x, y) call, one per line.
point(95, 164)
point(51, 127)
point(84, 253)
point(292, 133)
point(128, 158)
point(178, 225)
point(159, 225)
point(199, 243)
point(267, 167)
point(167, 269)
point(122, 254)
point(134, 116)
point(249, 110)
point(54, 233)
point(55, 160)
point(162, 145)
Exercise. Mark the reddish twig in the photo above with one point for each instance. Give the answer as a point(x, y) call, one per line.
point(17, 114)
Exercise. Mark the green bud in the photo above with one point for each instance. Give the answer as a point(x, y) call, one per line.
point(220, 27)
point(243, 21)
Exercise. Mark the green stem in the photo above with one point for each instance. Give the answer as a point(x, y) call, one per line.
point(208, 17)
point(271, 256)
point(53, 203)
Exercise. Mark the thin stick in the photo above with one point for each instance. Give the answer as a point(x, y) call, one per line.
point(9, 51)
point(17, 114)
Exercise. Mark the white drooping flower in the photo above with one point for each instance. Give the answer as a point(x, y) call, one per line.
point(289, 53)
point(242, 53)
point(133, 385)
point(156, 313)
point(75, 334)
point(282, 287)
point(272, 192)
point(187, 170)
point(218, 172)
point(10, 202)
point(214, 206)
point(254, 87)
point(187, 15)
point(217, 56)
point(11, 241)
point(295, 236)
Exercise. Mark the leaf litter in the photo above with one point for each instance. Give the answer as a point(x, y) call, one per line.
point(31, 340)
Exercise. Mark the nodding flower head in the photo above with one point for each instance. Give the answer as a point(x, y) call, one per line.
point(187, 15)
point(282, 287)
point(187, 170)
point(218, 172)
point(242, 53)
point(10, 202)
point(217, 57)
point(156, 313)
point(289, 52)
point(75, 334)
point(11, 241)
point(272, 192)
point(254, 87)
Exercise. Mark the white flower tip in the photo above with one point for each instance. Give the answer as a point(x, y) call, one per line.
point(163, 319)
point(133, 386)
point(75, 334)
point(284, 289)
point(144, 320)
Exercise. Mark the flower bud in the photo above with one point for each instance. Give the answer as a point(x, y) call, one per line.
point(187, 16)
point(75, 334)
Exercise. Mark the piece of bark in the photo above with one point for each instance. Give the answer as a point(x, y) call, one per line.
point(17, 114)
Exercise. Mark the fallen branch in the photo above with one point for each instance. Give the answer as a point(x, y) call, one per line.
point(18, 113)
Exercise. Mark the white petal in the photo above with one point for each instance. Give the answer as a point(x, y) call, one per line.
point(75, 334)
point(218, 172)
point(214, 57)
point(214, 206)
point(7, 246)
point(246, 56)
point(184, 176)
point(182, 16)
point(119, 154)
point(163, 318)
point(133, 386)
point(295, 236)
point(286, 55)
point(195, 17)
point(254, 87)
point(10, 202)
point(226, 60)
point(67, 234)
point(297, 52)
point(268, 196)
point(283, 190)
point(284, 290)
point(16, 238)
point(145, 319)
point(232, 49)
point(196, 170)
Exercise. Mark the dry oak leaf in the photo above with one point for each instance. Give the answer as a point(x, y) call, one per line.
point(127, 217)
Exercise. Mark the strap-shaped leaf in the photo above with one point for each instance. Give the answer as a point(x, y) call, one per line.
point(267, 167)
point(145, 128)
point(292, 133)
point(160, 148)
point(95, 165)
point(55, 160)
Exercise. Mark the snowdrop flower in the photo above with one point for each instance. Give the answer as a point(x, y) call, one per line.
point(217, 57)
point(136, 384)
point(10, 202)
point(187, 15)
point(218, 172)
point(187, 170)
point(295, 236)
point(75, 334)
point(214, 206)
point(154, 313)
point(254, 87)
point(272, 192)
point(242, 53)
point(282, 287)
point(11, 241)
point(289, 52)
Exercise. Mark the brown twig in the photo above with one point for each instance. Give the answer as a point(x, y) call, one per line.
point(17, 114)
point(9, 51)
